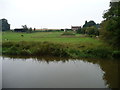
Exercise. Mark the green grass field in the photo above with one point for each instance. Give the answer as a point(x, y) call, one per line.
point(76, 41)
point(38, 43)
point(48, 36)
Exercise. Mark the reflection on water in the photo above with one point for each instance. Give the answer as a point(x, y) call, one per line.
point(0, 73)
point(51, 72)
point(111, 69)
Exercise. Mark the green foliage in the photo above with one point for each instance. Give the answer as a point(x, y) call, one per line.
point(25, 28)
point(110, 29)
point(116, 54)
point(92, 31)
point(89, 31)
point(34, 29)
point(81, 31)
point(101, 52)
point(68, 33)
point(56, 49)
point(53, 44)
point(7, 44)
point(29, 30)
point(34, 48)
point(89, 24)
point(90, 28)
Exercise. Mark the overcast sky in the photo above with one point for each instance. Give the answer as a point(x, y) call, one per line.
point(52, 13)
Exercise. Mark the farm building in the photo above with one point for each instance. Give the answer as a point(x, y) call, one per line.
point(4, 26)
point(74, 28)
point(19, 30)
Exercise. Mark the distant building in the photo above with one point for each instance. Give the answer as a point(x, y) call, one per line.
point(19, 30)
point(75, 28)
point(4, 26)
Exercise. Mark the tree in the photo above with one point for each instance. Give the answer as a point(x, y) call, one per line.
point(25, 28)
point(30, 30)
point(110, 27)
point(89, 24)
point(81, 30)
point(92, 31)
point(34, 29)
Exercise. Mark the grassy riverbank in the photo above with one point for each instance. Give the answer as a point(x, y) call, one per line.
point(54, 44)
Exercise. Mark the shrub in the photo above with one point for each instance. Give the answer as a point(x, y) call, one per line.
point(7, 44)
point(100, 52)
point(116, 54)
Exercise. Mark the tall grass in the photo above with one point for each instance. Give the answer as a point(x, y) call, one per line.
point(55, 49)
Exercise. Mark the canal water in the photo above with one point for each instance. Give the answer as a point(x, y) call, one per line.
point(0, 73)
point(32, 72)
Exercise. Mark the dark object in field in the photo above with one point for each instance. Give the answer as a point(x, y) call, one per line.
point(22, 35)
point(19, 30)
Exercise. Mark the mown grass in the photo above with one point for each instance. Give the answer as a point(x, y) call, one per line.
point(53, 44)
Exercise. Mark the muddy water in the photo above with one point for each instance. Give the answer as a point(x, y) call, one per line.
point(22, 72)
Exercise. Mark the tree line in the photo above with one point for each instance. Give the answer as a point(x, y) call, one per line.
point(108, 29)
point(26, 29)
point(90, 28)
point(110, 26)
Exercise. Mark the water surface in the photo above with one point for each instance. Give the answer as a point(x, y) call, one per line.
point(59, 73)
point(0, 73)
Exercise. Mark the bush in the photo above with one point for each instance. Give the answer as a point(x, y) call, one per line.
point(12, 50)
point(116, 54)
point(7, 44)
point(99, 52)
